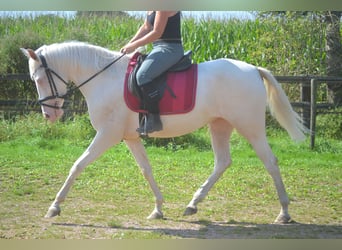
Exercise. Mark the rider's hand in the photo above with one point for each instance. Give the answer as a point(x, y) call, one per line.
point(128, 48)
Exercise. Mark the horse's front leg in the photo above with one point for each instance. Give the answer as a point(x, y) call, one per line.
point(140, 156)
point(102, 141)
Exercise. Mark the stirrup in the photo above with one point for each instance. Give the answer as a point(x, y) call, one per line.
point(142, 130)
point(149, 124)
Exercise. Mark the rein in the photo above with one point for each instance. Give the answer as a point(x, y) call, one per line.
point(49, 72)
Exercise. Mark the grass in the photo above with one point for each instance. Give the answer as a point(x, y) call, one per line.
point(111, 199)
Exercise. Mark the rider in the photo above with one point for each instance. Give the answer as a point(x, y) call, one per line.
point(162, 28)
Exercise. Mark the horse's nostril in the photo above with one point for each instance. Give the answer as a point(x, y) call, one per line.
point(46, 116)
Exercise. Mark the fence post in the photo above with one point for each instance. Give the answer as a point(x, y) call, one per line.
point(305, 98)
point(313, 108)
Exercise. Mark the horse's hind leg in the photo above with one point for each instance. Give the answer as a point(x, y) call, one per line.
point(220, 133)
point(264, 152)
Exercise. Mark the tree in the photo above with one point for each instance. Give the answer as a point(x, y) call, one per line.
point(333, 54)
point(333, 47)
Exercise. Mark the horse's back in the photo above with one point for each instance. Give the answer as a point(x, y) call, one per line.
point(231, 80)
point(228, 70)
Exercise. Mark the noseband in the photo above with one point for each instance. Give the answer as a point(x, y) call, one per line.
point(54, 91)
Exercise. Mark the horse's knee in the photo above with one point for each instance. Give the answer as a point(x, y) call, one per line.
point(222, 165)
point(227, 164)
point(76, 170)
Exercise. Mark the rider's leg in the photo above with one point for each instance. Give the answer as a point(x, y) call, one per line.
point(151, 96)
point(159, 60)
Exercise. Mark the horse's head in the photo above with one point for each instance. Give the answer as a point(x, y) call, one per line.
point(49, 85)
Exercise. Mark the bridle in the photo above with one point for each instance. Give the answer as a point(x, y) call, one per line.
point(54, 91)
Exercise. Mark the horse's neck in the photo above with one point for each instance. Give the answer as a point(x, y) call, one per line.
point(104, 85)
point(81, 62)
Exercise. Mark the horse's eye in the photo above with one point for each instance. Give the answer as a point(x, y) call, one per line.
point(34, 74)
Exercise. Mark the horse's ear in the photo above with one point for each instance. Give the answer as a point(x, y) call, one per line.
point(29, 53)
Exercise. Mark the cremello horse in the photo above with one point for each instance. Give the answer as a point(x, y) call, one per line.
point(230, 95)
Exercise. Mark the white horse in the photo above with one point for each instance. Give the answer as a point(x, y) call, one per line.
point(230, 95)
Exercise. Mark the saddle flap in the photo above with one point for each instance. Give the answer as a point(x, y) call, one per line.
point(183, 85)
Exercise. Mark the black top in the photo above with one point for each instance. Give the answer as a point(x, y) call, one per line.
point(172, 30)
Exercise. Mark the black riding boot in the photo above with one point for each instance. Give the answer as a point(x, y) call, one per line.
point(151, 121)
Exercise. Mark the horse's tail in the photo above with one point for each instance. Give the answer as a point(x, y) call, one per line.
point(281, 108)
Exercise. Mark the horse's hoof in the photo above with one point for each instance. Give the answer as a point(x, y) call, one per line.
point(190, 211)
point(155, 215)
point(53, 211)
point(283, 219)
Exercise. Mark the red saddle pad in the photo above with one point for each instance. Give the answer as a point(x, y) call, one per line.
point(183, 85)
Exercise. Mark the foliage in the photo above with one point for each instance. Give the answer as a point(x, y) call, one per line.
point(286, 46)
point(12, 62)
point(330, 125)
point(33, 125)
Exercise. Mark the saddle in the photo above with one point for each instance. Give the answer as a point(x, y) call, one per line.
point(160, 82)
point(180, 81)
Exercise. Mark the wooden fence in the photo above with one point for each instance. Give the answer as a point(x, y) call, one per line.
point(308, 103)
point(308, 106)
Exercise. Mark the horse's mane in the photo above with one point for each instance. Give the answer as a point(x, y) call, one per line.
point(72, 53)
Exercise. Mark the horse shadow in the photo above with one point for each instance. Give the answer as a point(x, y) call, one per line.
point(203, 229)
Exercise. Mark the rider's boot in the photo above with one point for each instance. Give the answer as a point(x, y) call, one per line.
point(151, 122)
